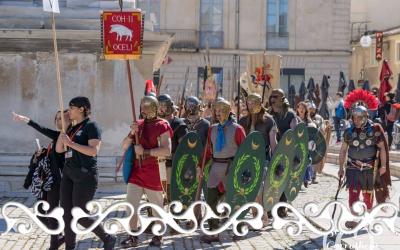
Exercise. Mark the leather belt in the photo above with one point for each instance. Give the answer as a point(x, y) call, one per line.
point(360, 165)
point(222, 160)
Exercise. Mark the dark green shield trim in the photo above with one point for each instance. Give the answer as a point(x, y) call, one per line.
point(278, 171)
point(316, 145)
point(246, 171)
point(299, 162)
point(184, 179)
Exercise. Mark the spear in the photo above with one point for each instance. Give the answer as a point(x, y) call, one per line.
point(159, 85)
point(183, 92)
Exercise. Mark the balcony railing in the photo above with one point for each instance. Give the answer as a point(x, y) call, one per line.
point(277, 40)
point(184, 39)
point(215, 39)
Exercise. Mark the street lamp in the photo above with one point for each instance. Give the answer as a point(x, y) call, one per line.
point(365, 42)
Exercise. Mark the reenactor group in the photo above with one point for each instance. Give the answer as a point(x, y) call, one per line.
point(264, 153)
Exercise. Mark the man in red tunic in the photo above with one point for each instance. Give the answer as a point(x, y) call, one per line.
point(155, 141)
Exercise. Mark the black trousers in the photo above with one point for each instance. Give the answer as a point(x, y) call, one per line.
point(53, 198)
point(78, 188)
point(213, 197)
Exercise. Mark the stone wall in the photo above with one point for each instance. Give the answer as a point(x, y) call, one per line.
point(28, 86)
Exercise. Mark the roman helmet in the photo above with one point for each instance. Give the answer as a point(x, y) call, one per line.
point(149, 107)
point(192, 106)
point(256, 98)
point(165, 101)
point(359, 101)
point(225, 107)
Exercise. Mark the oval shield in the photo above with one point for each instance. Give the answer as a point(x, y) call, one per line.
point(184, 176)
point(278, 170)
point(298, 162)
point(245, 173)
point(316, 145)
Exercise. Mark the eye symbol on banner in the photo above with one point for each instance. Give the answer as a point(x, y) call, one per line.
point(356, 143)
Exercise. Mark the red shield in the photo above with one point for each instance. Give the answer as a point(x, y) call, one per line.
point(122, 34)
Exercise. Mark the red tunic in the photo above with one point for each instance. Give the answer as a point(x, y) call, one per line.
point(148, 175)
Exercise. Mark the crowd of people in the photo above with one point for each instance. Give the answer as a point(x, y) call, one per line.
point(73, 155)
point(387, 114)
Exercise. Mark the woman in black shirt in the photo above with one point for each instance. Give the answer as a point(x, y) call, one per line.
point(56, 166)
point(80, 175)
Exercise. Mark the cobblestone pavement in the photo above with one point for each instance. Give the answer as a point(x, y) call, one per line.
point(267, 238)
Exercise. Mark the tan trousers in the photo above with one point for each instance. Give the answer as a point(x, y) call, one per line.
point(134, 195)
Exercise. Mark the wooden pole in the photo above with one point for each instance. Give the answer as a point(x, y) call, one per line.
point(159, 85)
point(59, 87)
point(128, 67)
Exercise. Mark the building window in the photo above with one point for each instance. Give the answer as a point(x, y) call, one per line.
point(277, 24)
point(397, 52)
point(291, 77)
point(211, 23)
point(218, 73)
point(152, 13)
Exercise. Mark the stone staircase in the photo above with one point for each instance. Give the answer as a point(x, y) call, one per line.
point(14, 167)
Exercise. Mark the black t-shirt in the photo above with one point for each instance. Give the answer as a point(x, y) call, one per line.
point(200, 127)
point(263, 125)
point(283, 121)
point(179, 129)
point(81, 134)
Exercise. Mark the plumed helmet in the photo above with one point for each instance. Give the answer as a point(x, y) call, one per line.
point(152, 104)
point(360, 111)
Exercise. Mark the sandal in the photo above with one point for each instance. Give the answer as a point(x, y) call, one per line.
point(156, 241)
point(131, 241)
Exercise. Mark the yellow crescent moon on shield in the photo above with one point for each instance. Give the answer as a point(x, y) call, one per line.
point(287, 141)
point(300, 134)
point(254, 146)
point(293, 189)
point(192, 144)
